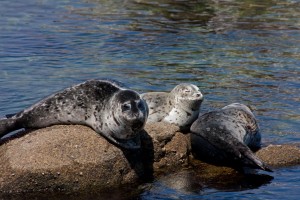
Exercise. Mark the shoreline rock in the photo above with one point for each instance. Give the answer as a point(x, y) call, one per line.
point(74, 158)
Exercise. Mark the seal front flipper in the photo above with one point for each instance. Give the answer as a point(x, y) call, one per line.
point(133, 143)
point(130, 144)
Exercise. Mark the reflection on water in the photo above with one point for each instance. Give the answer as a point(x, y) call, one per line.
point(190, 184)
point(235, 51)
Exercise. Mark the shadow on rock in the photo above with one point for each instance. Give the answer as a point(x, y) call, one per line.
point(147, 155)
point(141, 160)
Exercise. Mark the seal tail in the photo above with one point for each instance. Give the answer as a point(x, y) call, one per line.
point(7, 125)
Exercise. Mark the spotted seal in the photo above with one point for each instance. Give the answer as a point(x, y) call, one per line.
point(180, 106)
point(114, 112)
point(227, 137)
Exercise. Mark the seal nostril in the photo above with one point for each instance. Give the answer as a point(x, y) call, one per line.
point(198, 95)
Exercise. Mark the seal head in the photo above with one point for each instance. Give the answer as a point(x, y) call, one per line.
point(126, 115)
point(188, 96)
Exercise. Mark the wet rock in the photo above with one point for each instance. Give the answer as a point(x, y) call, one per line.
point(280, 155)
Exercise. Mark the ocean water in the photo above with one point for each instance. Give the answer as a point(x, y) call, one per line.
point(234, 51)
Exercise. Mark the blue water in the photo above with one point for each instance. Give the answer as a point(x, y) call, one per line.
point(235, 51)
point(285, 185)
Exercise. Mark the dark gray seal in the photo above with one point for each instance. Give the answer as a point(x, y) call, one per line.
point(180, 106)
point(227, 137)
point(114, 112)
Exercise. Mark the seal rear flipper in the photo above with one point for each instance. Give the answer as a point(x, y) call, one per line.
point(221, 148)
point(10, 115)
point(254, 161)
point(243, 154)
point(7, 125)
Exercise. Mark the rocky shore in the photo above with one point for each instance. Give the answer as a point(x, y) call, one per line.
point(75, 158)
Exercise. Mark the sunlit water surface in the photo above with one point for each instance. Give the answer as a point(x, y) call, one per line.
point(235, 51)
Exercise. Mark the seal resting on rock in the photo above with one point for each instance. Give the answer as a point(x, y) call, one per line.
point(180, 106)
point(114, 112)
point(226, 136)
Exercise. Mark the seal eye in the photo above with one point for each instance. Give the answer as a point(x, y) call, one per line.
point(126, 107)
point(187, 91)
point(141, 105)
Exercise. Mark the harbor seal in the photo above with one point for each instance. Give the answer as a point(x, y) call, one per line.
point(116, 113)
point(227, 137)
point(180, 106)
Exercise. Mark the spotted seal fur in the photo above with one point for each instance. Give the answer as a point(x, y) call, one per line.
point(114, 112)
point(180, 106)
point(227, 137)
